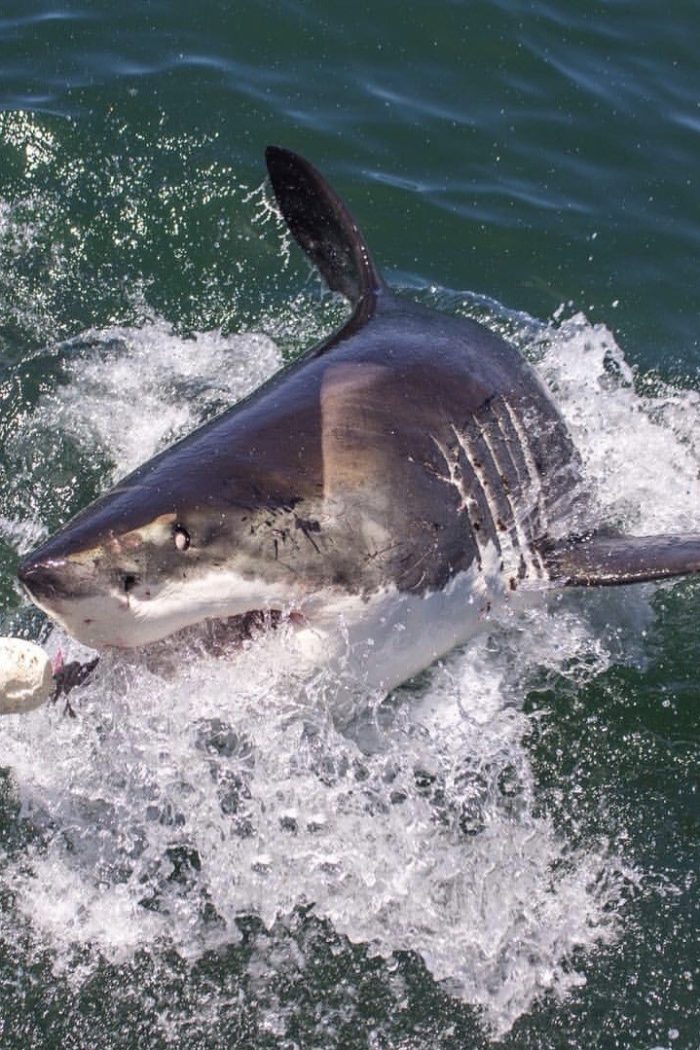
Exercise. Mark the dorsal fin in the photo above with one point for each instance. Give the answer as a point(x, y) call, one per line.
point(322, 225)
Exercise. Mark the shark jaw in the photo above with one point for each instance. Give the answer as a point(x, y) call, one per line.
point(148, 613)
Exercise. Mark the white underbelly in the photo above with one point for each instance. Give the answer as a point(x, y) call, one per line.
point(375, 644)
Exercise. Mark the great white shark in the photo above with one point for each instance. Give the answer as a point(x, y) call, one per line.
point(382, 492)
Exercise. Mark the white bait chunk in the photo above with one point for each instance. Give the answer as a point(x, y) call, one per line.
point(26, 676)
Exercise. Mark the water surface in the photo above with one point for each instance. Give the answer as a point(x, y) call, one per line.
point(507, 850)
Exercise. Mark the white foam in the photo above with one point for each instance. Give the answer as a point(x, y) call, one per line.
point(140, 388)
point(416, 829)
point(641, 451)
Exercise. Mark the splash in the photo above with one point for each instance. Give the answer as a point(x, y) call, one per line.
point(174, 808)
point(638, 437)
point(97, 216)
point(173, 383)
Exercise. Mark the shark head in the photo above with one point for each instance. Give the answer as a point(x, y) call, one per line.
point(129, 584)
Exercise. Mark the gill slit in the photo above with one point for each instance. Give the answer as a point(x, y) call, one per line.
point(468, 503)
point(504, 540)
point(533, 486)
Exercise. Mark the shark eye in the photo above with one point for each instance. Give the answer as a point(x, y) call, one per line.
point(182, 537)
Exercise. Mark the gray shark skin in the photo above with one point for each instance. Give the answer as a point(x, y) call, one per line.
point(407, 463)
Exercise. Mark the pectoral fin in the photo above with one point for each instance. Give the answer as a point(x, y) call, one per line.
point(604, 560)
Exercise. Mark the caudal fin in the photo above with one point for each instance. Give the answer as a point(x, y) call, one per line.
point(612, 560)
point(322, 225)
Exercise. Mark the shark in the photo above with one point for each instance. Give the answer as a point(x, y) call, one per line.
point(381, 493)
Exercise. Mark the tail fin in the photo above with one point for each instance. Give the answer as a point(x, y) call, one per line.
point(322, 225)
point(604, 560)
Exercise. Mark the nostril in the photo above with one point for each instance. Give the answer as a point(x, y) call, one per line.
point(41, 578)
point(129, 581)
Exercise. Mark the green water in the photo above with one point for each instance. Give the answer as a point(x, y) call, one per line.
point(515, 156)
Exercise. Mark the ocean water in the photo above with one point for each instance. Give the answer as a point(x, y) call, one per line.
point(505, 851)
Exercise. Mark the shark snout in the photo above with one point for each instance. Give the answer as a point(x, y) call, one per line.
point(52, 580)
point(44, 579)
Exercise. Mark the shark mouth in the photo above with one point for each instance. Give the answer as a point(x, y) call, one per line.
point(212, 637)
point(220, 636)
